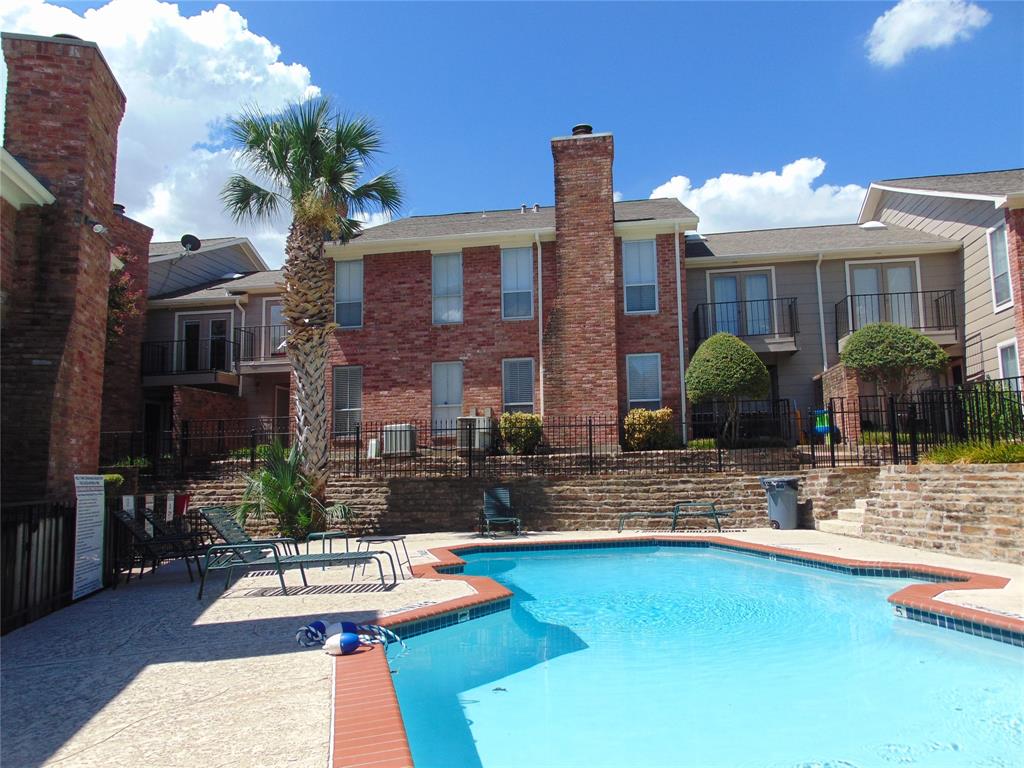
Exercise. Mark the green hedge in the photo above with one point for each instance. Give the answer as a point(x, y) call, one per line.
point(649, 430)
point(521, 433)
point(976, 453)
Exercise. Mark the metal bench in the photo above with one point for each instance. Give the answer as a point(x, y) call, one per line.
point(708, 509)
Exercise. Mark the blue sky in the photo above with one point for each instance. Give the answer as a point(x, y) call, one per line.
point(468, 95)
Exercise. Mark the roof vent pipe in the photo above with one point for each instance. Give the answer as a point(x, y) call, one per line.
point(536, 207)
point(582, 129)
point(119, 209)
point(522, 208)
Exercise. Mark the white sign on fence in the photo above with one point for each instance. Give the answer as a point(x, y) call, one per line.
point(89, 528)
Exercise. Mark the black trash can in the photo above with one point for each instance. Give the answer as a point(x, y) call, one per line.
point(781, 501)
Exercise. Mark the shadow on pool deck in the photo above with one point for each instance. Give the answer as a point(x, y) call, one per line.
point(60, 672)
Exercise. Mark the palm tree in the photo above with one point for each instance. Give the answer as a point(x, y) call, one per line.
point(309, 159)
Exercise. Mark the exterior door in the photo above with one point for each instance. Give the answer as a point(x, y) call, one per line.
point(190, 349)
point(219, 345)
point(725, 293)
point(756, 294)
point(884, 293)
point(276, 331)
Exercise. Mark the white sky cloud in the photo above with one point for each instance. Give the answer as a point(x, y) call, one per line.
point(183, 76)
point(616, 196)
point(767, 199)
point(914, 24)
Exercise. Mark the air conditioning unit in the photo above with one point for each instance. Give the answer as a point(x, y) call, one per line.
point(480, 427)
point(399, 439)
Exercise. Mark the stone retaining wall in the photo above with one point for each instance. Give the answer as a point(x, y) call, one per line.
point(419, 505)
point(967, 510)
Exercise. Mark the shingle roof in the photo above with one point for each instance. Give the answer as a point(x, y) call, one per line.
point(984, 183)
point(227, 289)
point(797, 240)
point(479, 222)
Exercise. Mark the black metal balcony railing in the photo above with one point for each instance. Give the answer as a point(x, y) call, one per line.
point(262, 343)
point(756, 317)
point(920, 310)
point(161, 358)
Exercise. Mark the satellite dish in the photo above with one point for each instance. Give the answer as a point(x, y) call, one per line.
point(190, 243)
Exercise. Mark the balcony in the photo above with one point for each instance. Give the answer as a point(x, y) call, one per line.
point(933, 313)
point(195, 362)
point(767, 325)
point(262, 348)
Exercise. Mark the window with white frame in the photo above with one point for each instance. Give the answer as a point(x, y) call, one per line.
point(999, 264)
point(643, 381)
point(348, 398)
point(517, 385)
point(348, 293)
point(640, 276)
point(446, 393)
point(446, 287)
point(1009, 363)
point(516, 283)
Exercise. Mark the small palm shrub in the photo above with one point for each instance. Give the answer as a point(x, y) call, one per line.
point(521, 433)
point(649, 430)
point(281, 491)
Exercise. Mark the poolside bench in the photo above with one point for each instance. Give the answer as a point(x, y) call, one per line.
point(708, 509)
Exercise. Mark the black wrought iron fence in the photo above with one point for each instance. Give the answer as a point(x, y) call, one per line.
point(881, 429)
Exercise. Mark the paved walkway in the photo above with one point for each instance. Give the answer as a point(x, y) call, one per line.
point(147, 675)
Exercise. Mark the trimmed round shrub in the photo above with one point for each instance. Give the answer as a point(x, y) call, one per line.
point(649, 430)
point(725, 368)
point(521, 433)
point(890, 355)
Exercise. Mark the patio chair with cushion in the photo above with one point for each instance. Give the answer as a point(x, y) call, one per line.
point(276, 554)
point(498, 511)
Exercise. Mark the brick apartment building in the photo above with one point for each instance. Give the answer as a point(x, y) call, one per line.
point(587, 307)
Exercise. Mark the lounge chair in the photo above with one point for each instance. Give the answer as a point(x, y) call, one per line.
point(276, 554)
point(155, 549)
point(498, 511)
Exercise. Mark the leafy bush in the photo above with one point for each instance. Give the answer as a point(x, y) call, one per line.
point(882, 437)
point(976, 453)
point(113, 481)
point(282, 491)
point(649, 430)
point(262, 451)
point(702, 444)
point(725, 368)
point(521, 433)
point(891, 355)
point(131, 461)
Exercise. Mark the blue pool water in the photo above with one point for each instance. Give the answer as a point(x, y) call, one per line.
point(697, 657)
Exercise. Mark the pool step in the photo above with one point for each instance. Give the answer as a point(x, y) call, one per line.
point(852, 515)
point(842, 527)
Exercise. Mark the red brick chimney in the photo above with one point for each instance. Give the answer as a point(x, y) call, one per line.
point(63, 111)
point(579, 345)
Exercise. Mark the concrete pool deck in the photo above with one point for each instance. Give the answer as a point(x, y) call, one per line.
point(147, 674)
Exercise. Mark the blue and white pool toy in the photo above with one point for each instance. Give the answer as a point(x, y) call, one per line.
point(344, 637)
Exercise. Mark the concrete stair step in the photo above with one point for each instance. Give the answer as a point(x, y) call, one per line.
point(851, 515)
point(842, 527)
point(861, 503)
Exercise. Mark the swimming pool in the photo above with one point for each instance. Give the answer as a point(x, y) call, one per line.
point(662, 656)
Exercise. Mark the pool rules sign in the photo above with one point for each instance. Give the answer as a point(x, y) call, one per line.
point(89, 528)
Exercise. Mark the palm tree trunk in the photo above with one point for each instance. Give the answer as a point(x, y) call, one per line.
point(308, 310)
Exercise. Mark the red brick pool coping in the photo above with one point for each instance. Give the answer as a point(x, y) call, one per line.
point(368, 731)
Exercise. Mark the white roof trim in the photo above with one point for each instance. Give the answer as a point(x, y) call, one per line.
point(19, 187)
point(1012, 200)
point(828, 255)
point(180, 302)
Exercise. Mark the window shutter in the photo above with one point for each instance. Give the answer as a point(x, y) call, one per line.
point(644, 374)
point(348, 397)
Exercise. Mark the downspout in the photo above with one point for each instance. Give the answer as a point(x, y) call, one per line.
point(682, 343)
point(540, 319)
point(241, 319)
point(821, 315)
